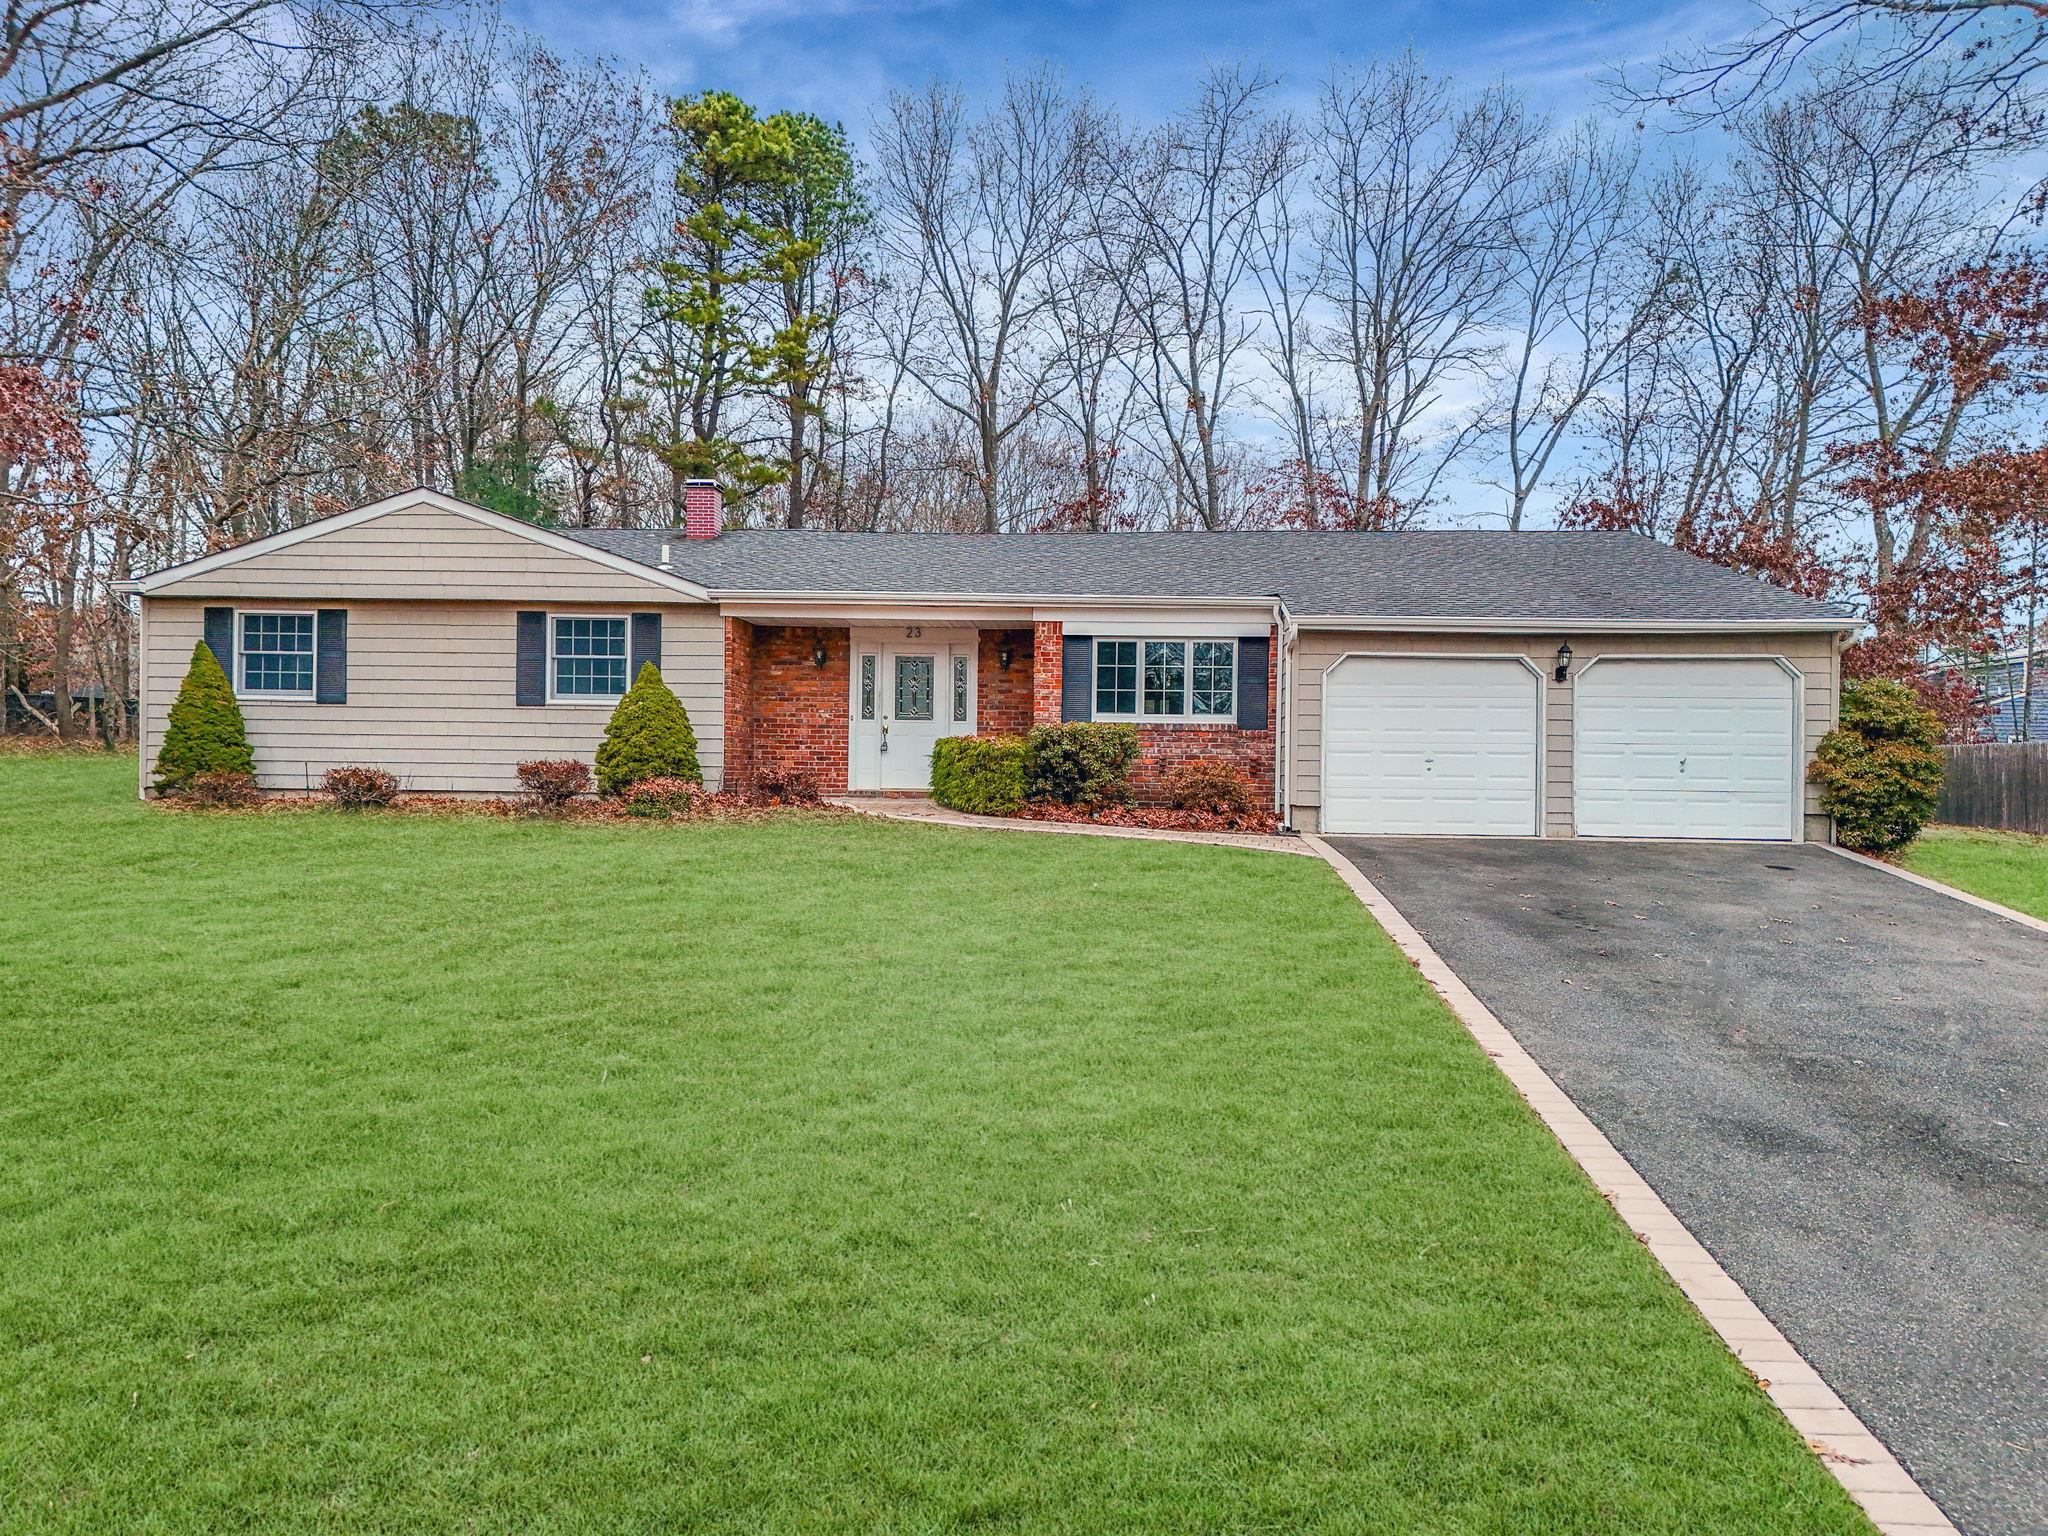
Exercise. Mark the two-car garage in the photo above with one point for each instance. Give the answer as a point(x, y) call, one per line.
point(1648, 746)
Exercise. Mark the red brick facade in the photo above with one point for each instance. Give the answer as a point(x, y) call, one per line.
point(784, 712)
point(1046, 641)
point(739, 703)
point(1163, 746)
point(1002, 700)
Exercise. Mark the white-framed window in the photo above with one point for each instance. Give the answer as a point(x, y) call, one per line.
point(274, 653)
point(1192, 681)
point(586, 657)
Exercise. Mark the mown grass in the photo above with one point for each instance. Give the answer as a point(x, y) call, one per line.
point(2006, 867)
point(414, 1175)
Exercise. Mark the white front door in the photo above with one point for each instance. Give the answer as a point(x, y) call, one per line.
point(1431, 745)
point(1679, 748)
point(909, 690)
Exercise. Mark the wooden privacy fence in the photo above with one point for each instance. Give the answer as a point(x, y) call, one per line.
point(1996, 784)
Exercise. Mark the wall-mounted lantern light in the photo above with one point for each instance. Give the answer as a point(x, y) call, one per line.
point(819, 655)
point(1003, 655)
point(1564, 661)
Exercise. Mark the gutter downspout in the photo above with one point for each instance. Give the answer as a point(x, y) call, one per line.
point(1284, 699)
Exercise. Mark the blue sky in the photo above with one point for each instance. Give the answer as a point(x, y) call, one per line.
point(839, 58)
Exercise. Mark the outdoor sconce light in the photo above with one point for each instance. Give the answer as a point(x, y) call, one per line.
point(1003, 657)
point(1564, 661)
point(818, 654)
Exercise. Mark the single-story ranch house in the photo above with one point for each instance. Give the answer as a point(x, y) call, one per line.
point(1558, 683)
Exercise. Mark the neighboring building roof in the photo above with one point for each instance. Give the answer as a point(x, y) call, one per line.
point(1569, 577)
point(2001, 679)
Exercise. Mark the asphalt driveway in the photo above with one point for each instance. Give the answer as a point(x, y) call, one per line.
point(1837, 1080)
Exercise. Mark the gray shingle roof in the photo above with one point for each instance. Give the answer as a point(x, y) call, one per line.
point(1422, 574)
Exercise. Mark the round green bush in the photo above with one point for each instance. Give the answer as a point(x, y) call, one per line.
point(981, 775)
point(1080, 763)
point(649, 737)
point(1879, 771)
point(205, 732)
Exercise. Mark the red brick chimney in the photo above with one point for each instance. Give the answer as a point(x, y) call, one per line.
point(703, 509)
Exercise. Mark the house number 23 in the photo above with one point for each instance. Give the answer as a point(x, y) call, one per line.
point(914, 632)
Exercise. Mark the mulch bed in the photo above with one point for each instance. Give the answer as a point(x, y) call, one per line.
point(1159, 818)
point(709, 807)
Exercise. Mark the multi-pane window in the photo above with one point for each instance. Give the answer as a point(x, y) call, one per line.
point(1166, 677)
point(277, 653)
point(1212, 678)
point(1166, 680)
point(1116, 677)
point(589, 658)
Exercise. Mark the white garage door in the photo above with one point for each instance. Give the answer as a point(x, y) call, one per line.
point(1416, 744)
point(1686, 749)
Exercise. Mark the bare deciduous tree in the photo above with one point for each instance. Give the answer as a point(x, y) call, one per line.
point(1581, 290)
point(1417, 191)
point(1179, 225)
point(982, 205)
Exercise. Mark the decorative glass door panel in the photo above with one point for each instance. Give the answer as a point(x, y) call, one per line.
point(914, 687)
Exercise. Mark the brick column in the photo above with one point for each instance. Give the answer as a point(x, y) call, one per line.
point(739, 704)
point(1047, 641)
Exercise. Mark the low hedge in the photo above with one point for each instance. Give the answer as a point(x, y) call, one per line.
point(982, 775)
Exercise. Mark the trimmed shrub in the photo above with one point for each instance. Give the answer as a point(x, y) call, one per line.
point(359, 787)
point(205, 733)
point(649, 737)
point(1209, 784)
point(1080, 763)
point(220, 789)
point(663, 797)
point(553, 782)
point(786, 786)
point(1878, 771)
point(982, 775)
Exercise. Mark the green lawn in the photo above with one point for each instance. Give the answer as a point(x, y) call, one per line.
point(2006, 867)
point(421, 1175)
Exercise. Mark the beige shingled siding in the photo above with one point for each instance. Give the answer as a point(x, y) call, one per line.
point(430, 693)
point(1813, 654)
point(420, 553)
point(431, 597)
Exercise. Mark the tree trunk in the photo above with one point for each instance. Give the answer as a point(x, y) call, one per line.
point(63, 632)
point(797, 489)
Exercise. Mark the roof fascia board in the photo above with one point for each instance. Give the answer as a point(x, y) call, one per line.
point(1409, 622)
point(811, 611)
point(986, 599)
point(271, 543)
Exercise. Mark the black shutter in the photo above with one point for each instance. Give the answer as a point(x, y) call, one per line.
point(1254, 662)
point(330, 656)
point(220, 638)
point(1077, 677)
point(645, 645)
point(530, 669)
